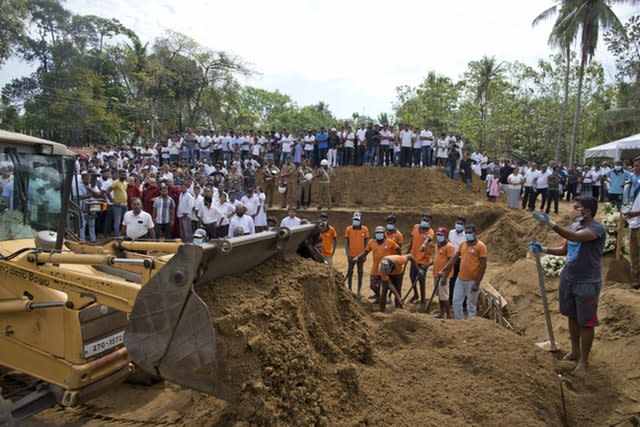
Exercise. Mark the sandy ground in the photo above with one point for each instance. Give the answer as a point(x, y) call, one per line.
point(300, 349)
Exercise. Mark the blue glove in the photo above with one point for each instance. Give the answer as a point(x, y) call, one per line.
point(536, 247)
point(543, 218)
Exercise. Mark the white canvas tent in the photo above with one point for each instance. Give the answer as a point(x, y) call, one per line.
point(625, 148)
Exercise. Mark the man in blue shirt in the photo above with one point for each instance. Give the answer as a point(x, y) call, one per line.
point(322, 142)
point(617, 177)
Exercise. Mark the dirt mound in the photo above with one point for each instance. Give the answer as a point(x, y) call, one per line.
point(287, 332)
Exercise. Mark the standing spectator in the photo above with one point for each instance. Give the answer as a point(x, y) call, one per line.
point(386, 148)
point(406, 144)
point(328, 236)
point(513, 188)
point(260, 221)
point(133, 190)
point(291, 220)
point(325, 175)
point(241, 221)
point(186, 204)
point(553, 192)
point(466, 170)
point(86, 193)
point(473, 264)
point(442, 148)
point(305, 176)
point(334, 141)
point(269, 174)
point(309, 143)
point(541, 186)
point(356, 238)
point(580, 279)
point(349, 146)
point(426, 136)
point(136, 223)
point(210, 216)
point(530, 177)
point(322, 142)
point(572, 183)
point(372, 137)
point(361, 136)
point(227, 209)
point(150, 191)
point(633, 218)
point(285, 182)
point(117, 194)
point(164, 210)
point(617, 179)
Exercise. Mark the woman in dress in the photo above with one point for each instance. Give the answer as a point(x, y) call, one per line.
point(261, 217)
point(513, 187)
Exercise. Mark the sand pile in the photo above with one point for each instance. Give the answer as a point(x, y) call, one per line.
point(288, 333)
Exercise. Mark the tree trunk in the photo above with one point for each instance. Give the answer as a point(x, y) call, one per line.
point(560, 148)
point(576, 117)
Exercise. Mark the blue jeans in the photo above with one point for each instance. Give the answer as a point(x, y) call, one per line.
point(371, 154)
point(84, 221)
point(427, 156)
point(453, 173)
point(118, 213)
point(308, 155)
point(191, 154)
point(461, 290)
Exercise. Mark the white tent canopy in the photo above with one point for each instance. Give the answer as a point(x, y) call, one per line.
point(625, 148)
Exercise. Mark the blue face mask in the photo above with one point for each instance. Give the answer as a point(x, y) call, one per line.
point(470, 237)
point(198, 241)
point(356, 223)
point(391, 227)
point(440, 238)
point(424, 224)
point(459, 228)
point(379, 236)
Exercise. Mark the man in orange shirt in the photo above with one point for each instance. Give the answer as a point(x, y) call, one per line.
point(380, 246)
point(473, 264)
point(391, 270)
point(356, 237)
point(419, 247)
point(328, 237)
point(443, 253)
point(392, 232)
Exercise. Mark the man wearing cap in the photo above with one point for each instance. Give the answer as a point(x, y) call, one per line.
point(391, 271)
point(420, 249)
point(305, 176)
point(380, 246)
point(324, 174)
point(270, 173)
point(286, 174)
point(444, 251)
point(199, 236)
point(356, 238)
point(328, 236)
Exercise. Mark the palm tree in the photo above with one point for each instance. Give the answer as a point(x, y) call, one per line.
point(485, 73)
point(585, 18)
point(564, 43)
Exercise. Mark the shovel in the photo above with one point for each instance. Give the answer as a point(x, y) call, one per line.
point(545, 303)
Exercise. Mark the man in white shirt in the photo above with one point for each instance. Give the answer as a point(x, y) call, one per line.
point(241, 222)
point(529, 182)
point(227, 210)
point(210, 216)
point(386, 150)
point(251, 201)
point(426, 136)
point(406, 143)
point(361, 135)
point(349, 146)
point(291, 220)
point(136, 223)
point(541, 185)
point(186, 204)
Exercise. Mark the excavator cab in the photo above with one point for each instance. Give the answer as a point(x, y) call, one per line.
point(77, 318)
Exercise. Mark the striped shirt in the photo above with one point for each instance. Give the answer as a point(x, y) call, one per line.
point(163, 207)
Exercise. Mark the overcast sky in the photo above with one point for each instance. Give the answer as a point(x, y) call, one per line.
point(349, 54)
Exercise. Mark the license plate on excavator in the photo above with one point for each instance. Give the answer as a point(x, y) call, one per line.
point(104, 344)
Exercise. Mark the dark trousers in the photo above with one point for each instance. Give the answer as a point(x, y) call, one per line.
point(405, 156)
point(360, 266)
point(164, 230)
point(526, 196)
point(595, 191)
point(553, 195)
point(348, 156)
point(571, 191)
point(386, 155)
point(222, 231)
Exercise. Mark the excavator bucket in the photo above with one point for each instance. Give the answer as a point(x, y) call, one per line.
point(170, 332)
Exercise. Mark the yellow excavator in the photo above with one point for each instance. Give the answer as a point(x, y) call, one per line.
point(77, 318)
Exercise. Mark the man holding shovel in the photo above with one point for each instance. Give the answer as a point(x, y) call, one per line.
point(580, 279)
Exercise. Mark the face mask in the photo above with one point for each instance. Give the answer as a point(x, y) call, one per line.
point(618, 168)
point(198, 241)
point(379, 236)
point(440, 238)
point(470, 237)
point(459, 228)
point(356, 223)
point(391, 227)
point(271, 229)
point(424, 224)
